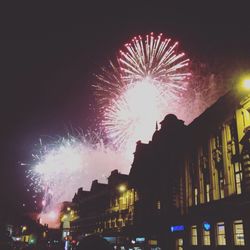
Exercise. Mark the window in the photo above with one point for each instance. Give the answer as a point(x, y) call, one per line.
point(218, 160)
point(158, 205)
point(179, 244)
point(194, 237)
point(238, 233)
point(221, 184)
point(205, 171)
point(195, 196)
point(238, 177)
point(234, 146)
point(220, 234)
point(206, 238)
point(207, 192)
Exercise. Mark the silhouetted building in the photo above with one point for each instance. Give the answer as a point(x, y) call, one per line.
point(90, 205)
point(213, 184)
point(119, 218)
point(188, 188)
point(160, 162)
point(198, 177)
point(107, 209)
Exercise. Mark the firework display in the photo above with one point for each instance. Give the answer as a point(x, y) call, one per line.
point(154, 57)
point(149, 79)
point(140, 87)
point(63, 165)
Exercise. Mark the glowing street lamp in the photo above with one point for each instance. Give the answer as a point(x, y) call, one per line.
point(122, 188)
point(246, 83)
point(24, 228)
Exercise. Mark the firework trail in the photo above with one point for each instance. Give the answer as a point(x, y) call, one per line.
point(139, 88)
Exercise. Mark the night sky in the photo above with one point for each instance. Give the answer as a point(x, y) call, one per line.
point(49, 53)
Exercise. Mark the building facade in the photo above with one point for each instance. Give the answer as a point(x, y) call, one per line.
point(188, 188)
point(106, 209)
point(90, 205)
point(213, 183)
point(198, 176)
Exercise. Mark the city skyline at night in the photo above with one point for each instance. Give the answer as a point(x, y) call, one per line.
point(49, 66)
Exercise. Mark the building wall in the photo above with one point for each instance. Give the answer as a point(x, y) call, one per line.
point(189, 188)
point(215, 184)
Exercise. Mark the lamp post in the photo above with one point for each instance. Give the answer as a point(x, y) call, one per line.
point(122, 188)
point(244, 82)
point(24, 228)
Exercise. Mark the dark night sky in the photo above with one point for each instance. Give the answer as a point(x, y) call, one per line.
point(49, 53)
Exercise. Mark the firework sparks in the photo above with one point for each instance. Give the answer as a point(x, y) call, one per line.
point(146, 82)
point(61, 158)
point(156, 58)
point(66, 164)
point(137, 90)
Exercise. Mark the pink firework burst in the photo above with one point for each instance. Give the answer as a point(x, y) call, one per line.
point(143, 84)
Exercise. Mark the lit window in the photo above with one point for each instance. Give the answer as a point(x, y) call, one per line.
point(206, 238)
point(195, 196)
point(235, 155)
point(194, 237)
point(221, 234)
point(221, 184)
point(179, 244)
point(158, 204)
point(238, 177)
point(238, 233)
point(207, 193)
point(205, 171)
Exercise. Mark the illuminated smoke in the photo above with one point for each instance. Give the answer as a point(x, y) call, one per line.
point(148, 80)
point(64, 165)
point(145, 83)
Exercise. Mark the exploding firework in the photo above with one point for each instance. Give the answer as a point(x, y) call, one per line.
point(140, 87)
point(156, 58)
point(52, 161)
point(60, 167)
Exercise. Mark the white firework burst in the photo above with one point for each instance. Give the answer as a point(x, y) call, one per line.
point(140, 87)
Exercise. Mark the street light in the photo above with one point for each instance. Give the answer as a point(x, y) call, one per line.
point(246, 83)
point(122, 188)
point(24, 228)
